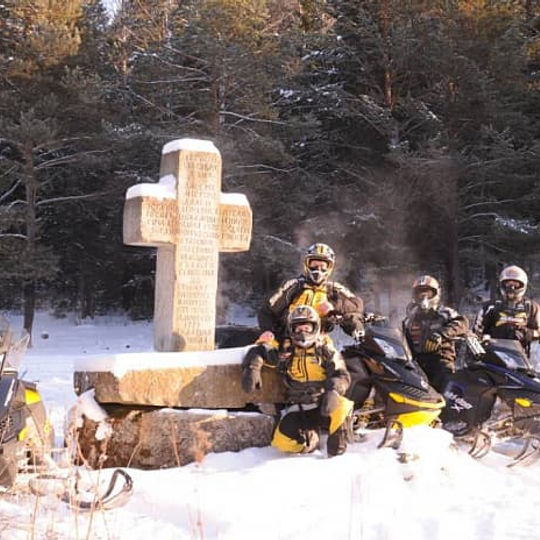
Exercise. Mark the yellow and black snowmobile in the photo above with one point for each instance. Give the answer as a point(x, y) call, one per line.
point(26, 435)
point(388, 386)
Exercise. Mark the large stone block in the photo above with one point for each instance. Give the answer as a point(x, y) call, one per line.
point(209, 380)
point(162, 438)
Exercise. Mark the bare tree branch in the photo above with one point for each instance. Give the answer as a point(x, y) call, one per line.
point(480, 214)
point(5, 195)
point(67, 159)
point(71, 198)
point(487, 203)
point(12, 235)
point(251, 119)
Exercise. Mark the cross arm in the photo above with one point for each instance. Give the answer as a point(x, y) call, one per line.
point(150, 216)
point(235, 222)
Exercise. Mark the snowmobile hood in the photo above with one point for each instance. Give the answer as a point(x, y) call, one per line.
point(507, 353)
point(387, 342)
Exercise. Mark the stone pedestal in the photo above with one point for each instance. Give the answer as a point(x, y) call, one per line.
point(162, 438)
point(209, 380)
point(196, 387)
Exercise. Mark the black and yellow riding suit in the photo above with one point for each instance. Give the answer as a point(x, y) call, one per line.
point(299, 291)
point(311, 375)
point(519, 321)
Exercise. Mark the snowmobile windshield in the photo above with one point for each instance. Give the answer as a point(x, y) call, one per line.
point(12, 349)
point(391, 343)
point(5, 334)
point(508, 353)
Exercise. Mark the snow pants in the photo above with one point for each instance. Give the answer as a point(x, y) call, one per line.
point(300, 426)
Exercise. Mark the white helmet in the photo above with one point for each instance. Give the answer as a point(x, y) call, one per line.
point(513, 283)
point(426, 292)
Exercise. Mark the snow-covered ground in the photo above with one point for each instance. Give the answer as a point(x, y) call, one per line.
point(259, 493)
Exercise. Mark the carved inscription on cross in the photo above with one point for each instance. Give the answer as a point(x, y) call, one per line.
point(190, 221)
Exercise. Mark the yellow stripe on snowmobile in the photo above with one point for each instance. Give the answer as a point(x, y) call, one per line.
point(31, 396)
point(338, 416)
point(22, 434)
point(523, 402)
point(398, 398)
point(417, 418)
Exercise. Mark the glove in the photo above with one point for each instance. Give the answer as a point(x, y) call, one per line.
point(251, 379)
point(251, 371)
point(433, 343)
point(329, 402)
point(266, 338)
point(325, 309)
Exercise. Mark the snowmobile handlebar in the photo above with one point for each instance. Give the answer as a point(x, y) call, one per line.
point(374, 318)
point(474, 344)
point(368, 317)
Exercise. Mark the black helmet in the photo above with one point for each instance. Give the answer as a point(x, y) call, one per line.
point(513, 283)
point(301, 315)
point(426, 292)
point(319, 252)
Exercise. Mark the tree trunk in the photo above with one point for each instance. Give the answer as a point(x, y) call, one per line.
point(29, 307)
point(387, 83)
point(455, 285)
point(31, 184)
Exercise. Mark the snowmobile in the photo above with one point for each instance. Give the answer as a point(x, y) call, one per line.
point(26, 435)
point(388, 386)
point(494, 397)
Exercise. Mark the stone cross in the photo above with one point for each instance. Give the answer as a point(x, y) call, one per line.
point(190, 221)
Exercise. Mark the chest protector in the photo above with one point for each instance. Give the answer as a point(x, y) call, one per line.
point(507, 321)
point(421, 326)
point(313, 296)
point(304, 365)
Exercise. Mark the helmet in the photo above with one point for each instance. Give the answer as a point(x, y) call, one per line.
point(303, 315)
point(513, 283)
point(319, 252)
point(426, 292)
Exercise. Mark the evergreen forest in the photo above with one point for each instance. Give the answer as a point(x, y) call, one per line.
point(403, 133)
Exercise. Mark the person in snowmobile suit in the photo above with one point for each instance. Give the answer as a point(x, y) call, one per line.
point(512, 315)
point(316, 379)
point(429, 328)
point(330, 299)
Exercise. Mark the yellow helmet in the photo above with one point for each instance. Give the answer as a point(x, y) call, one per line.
point(319, 252)
point(303, 315)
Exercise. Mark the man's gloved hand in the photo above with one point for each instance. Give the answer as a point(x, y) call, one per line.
point(251, 379)
point(329, 402)
point(251, 371)
point(325, 309)
point(433, 343)
point(266, 338)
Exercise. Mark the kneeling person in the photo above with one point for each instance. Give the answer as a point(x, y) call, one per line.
point(316, 379)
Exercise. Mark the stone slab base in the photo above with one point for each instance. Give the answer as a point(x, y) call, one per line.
point(162, 438)
point(207, 387)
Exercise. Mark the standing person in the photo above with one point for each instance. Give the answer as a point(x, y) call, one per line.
point(314, 289)
point(512, 315)
point(430, 328)
point(316, 379)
